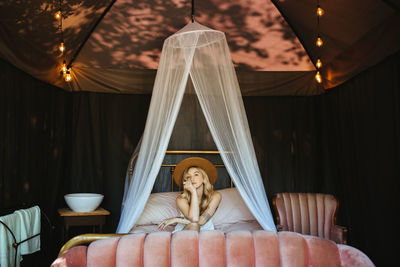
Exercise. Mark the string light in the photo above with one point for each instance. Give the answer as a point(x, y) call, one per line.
point(64, 67)
point(319, 41)
point(58, 15)
point(318, 77)
point(320, 11)
point(318, 64)
point(62, 47)
point(68, 77)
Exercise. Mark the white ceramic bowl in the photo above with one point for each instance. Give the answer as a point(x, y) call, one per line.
point(83, 202)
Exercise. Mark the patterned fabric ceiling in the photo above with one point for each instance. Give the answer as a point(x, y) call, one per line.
point(114, 46)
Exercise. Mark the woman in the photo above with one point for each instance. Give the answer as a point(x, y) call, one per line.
point(199, 201)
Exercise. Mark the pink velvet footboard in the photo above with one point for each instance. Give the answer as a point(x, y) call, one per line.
point(214, 249)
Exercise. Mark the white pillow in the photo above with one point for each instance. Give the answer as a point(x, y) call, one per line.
point(232, 208)
point(159, 206)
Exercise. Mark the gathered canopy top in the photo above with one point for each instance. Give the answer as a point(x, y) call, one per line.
point(184, 38)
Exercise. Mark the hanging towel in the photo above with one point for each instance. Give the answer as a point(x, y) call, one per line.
point(7, 251)
point(30, 226)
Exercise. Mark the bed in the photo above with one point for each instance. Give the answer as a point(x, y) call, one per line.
point(232, 213)
point(238, 240)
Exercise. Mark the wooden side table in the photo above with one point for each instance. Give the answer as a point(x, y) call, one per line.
point(72, 218)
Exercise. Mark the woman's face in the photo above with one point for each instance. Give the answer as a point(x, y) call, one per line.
point(195, 177)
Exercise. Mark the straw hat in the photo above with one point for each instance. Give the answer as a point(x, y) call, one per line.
point(206, 165)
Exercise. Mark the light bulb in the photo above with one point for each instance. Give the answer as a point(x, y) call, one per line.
point(58, 14)
point(320, 11)
point(62, 47)
point(318, 64)
point(64, 67)
point(68, 77)
point(318, 77)
point(319, 41)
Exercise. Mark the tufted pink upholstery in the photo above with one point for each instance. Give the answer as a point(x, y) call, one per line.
point(214, 249)
point(310, 214)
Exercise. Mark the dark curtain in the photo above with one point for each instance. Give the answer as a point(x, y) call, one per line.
point(361, 123)
point(105, 131)
point(53, 142)
point(344, 142)
point(34, 146)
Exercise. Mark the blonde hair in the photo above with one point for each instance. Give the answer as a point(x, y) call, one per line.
point(208, 188)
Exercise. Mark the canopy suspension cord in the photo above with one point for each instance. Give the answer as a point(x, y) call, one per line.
point(192, 11)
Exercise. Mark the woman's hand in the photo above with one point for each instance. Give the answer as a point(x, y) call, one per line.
point(166, 222)
point(170, 221)
point(189, 186)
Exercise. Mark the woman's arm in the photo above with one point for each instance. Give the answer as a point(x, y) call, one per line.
point(211, 208)
point(190, 210)
point(174, 220)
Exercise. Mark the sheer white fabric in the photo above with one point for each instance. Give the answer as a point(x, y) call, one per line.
point(203, 54)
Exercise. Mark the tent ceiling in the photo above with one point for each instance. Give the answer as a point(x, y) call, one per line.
point(271, 42)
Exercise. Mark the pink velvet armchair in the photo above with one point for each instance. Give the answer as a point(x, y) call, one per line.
point(310, 214)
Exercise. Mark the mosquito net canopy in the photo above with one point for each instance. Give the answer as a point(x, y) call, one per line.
point(202, 54)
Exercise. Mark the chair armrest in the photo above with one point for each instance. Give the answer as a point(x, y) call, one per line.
point(339, 234)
